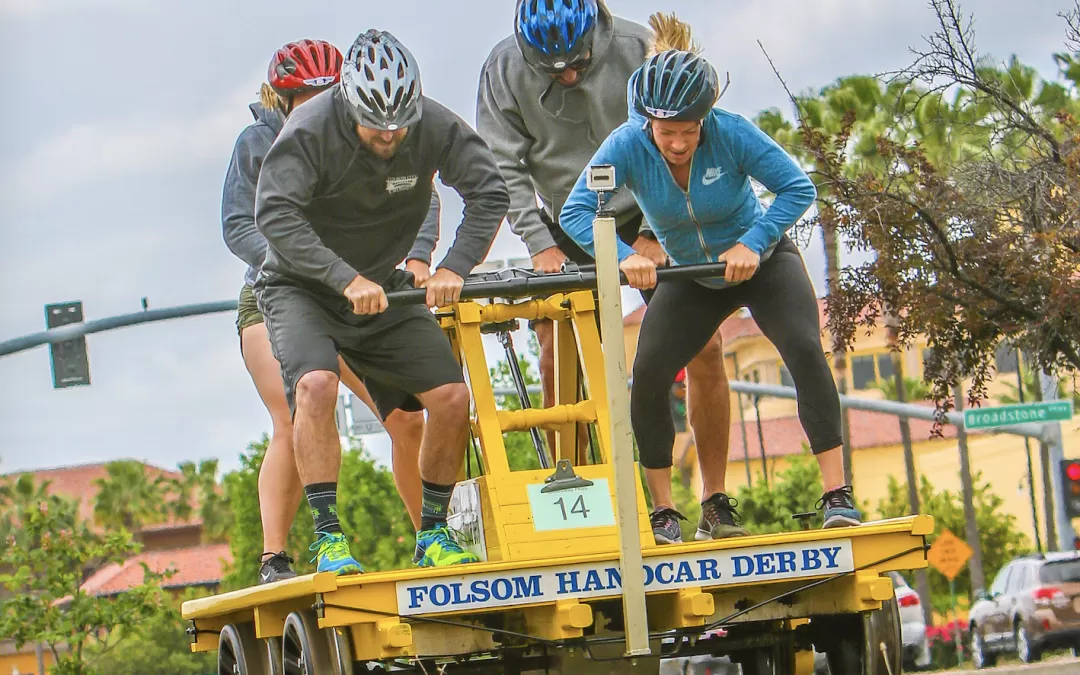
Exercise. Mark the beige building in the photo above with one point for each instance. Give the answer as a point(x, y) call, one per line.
point(875, 437)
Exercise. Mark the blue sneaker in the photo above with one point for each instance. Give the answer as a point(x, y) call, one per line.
point(436, 548)
point(334, 555)
point(840, 508)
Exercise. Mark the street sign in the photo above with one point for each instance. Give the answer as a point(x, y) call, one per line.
point(948, 555)
point(1007, 415)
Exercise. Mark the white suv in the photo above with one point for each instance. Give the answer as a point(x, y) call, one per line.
point(912, 625)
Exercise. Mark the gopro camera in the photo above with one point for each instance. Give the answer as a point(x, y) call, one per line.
point(601, 178)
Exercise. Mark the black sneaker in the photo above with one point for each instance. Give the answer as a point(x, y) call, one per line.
point(839, 505)
point(665, 526)
point(275, 568)
point(719, 519)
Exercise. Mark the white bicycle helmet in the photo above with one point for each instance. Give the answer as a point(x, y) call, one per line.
point(381, 82)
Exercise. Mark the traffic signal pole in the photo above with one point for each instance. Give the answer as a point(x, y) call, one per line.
point(1065, 534)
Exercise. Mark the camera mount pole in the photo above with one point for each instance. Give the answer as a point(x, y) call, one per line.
point(622, 448)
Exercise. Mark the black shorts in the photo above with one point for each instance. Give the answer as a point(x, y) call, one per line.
point(628, 233)
point(398, 354)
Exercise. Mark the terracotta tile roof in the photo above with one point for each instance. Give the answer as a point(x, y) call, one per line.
point(79, 482)
point(784, 435)
point(195, 565)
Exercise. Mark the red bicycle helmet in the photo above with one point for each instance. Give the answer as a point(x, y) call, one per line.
point(303, 66)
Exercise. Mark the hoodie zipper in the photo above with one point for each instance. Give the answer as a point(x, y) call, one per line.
point(690, 207)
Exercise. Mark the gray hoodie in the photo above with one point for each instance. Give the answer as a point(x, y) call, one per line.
point(543, 134)
point(331, 210)
point(238, 196)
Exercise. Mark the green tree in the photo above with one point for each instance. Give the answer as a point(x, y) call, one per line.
point(970, 247)
point(1033, 390)
point(371, 512)
point(915, 389)
point(520, 450)
point(999, 535)
point(158, 645)
point(241, 494)
point(47, 548)
point(200, 481)
point(129, 498)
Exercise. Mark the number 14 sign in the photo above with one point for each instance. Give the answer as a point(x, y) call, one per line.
point(571, 508)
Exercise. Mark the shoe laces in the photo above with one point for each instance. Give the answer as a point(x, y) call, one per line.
point(336, 546)
point(718, 504)
point(443, 535)
point(279, 562)
point(662, 516)
point(840, 497)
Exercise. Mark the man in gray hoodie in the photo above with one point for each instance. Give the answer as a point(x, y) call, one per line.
point(548, 97)
point(341, 198)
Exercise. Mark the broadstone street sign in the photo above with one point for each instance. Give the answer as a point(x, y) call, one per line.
point(1006, 415)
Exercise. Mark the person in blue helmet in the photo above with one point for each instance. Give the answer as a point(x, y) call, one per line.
point(689, 165)
point(548, 95)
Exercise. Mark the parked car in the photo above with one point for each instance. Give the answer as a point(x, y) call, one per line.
point(912, 625)
point(1033, 605)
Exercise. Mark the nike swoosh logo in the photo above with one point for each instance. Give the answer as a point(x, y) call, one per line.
point(709, 180)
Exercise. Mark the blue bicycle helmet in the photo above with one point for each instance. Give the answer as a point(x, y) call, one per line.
point(555, 34)
point(675, 85)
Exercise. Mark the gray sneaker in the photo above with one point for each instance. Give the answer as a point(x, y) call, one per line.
point(840, 508)
point(665, 526)
point(275, 568)
point(719, 519)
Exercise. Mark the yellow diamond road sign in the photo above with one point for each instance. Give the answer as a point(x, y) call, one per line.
point(949, 554)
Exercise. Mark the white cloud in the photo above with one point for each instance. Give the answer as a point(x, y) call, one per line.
point(101, 151)
point(29, 8)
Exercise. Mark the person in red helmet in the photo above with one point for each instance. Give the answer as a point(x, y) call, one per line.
point(298, 72)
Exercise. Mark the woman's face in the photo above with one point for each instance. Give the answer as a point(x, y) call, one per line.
point(676, 141)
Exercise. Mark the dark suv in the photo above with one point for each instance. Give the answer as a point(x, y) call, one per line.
point(1033, 605)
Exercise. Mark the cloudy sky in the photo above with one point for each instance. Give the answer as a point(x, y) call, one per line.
point(120, 117)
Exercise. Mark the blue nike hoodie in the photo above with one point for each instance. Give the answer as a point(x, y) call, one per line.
point(720, 208)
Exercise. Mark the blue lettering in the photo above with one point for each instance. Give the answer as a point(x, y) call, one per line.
point(457, 593)
point(786, 560)
point(707, 569)
point(685, 573)
point(744, 565)
point(592, 581)
point(649, 575)
point(568, 582)
point(480, 591)
point(660, 568)
point(416, 596)
point(614, 579)
point(831, 553)
point(440, 595)
point(765, 563)
point(502, 589)
point(527, 587)
point(811, 559)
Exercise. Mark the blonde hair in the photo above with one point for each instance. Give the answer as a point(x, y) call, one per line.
point(268, 97)
point(671, 33)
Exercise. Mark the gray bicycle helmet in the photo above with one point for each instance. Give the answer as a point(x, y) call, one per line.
point(381, 82)
point(675, 85)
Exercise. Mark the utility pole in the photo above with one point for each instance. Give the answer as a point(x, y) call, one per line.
point(1055, 451)
point(1027, 447)
point(968, 490)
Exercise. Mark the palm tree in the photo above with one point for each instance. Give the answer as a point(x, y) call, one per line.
point(127, 498)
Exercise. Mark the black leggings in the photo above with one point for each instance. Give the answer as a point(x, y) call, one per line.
point(683, 315)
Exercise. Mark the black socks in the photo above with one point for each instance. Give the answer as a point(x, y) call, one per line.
point(322, 498)
point(436, 502)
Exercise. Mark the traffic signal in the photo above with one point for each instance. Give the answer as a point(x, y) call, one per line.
point(70, 367)
point(1070, 486)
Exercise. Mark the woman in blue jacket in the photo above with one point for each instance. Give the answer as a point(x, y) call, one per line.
point(689, 166)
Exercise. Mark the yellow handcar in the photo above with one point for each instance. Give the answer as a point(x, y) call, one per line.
point(547, 594)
